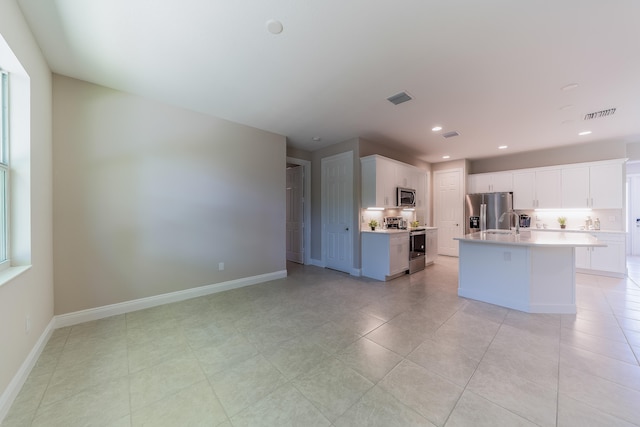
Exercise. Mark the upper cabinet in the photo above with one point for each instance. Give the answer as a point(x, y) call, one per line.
point(490, 182)
point(378, 182)
point(537, 189)
point(597, 186)
point(382, 176)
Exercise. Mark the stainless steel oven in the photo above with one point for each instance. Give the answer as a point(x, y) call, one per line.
point(417, 249)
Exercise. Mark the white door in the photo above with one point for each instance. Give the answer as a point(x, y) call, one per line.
point(448, 210)
point(295, 209)
point(337, 211)
point(633, 196)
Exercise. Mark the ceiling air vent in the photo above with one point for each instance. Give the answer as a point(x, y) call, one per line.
point(450, 134)
point(598, 114)
point(399, 98)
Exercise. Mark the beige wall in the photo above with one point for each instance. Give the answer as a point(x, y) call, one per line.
point(551, 157)
point(368, 148)
point(298, 154)
point(32, 292)
point(150, 198)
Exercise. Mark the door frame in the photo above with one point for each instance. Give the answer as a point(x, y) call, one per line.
point(306, 205)
point(436, 213)
point(347, 155)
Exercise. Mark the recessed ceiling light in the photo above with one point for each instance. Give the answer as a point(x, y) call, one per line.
point(566, 107)
point(446, 157)
point(502, 147)
point(316, 138)
point(566, 122)
point(586, 132)
point(570, 86)
point(274, 26)
point(436, 128)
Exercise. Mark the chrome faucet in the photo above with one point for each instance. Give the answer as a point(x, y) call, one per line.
point(517, 219)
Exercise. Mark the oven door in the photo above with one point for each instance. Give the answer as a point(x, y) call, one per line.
point(417, 251)
point(417, 244)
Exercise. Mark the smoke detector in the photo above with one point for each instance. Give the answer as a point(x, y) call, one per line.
point(399, 98)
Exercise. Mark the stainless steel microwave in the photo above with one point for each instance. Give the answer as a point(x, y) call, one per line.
point(406, 198)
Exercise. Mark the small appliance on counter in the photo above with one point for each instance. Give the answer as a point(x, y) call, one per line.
point(525, 221)
point(394, 223)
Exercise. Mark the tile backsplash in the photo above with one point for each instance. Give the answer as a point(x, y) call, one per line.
point(610, 219)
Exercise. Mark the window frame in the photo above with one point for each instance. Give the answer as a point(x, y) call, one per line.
point(5, 171)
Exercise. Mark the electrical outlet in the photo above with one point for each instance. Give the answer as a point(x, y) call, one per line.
point(27, 324)
point(507, 256)
point(221, 266)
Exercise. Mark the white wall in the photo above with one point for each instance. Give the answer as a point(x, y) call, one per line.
point(150, 198)
point(32, 292)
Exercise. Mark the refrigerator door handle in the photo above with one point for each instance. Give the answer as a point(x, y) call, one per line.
point(483, 217)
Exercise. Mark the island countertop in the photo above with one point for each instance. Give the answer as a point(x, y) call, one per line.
point(533, 238)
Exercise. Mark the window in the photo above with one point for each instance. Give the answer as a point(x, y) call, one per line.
point(4, 169)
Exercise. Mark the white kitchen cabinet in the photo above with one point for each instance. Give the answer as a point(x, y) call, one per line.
point(575, 187)
point(398, 254)
point(378, 182)
point(380, 177)
point(405, 177)
point(385, 256)
point(432, 245)
point(597, 186)
point(606, 183)
point(490, 182)
point(537, 189)
point(609, 260)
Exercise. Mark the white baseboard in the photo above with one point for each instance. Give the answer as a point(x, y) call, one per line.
point(11, 392)
point(82, 316)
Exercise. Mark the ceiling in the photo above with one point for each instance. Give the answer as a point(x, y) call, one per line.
point(491, 70)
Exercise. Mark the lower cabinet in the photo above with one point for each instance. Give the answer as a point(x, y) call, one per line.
point(385, 256)
point(432, 246)
point(609, 260)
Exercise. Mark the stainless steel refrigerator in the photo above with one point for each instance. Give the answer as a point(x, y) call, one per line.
point(487, 208)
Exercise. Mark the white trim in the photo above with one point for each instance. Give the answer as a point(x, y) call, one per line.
point(82, 316)
point(306, 206)
point(11, 392)
point(356, 272)
point(8, 274)
point(318, 263)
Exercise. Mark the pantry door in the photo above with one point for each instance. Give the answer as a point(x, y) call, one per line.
point(337, 211)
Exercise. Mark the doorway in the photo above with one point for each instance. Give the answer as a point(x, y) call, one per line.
point(633, 214)
point(298, 233)
point(448, 205)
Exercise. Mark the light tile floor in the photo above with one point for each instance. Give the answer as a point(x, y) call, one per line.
point(321, 348)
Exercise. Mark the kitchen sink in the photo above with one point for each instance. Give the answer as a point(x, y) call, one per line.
point(499, 232)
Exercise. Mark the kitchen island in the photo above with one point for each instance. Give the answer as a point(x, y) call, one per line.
point(532, 271)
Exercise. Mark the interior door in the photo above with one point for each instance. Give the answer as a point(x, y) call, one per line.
point(295, 221)
point(337, 211)
point(448, 210)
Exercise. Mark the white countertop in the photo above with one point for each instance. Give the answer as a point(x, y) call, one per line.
point(575, 230)
point(394, 230)
point(384, 231)
point(533, 238)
